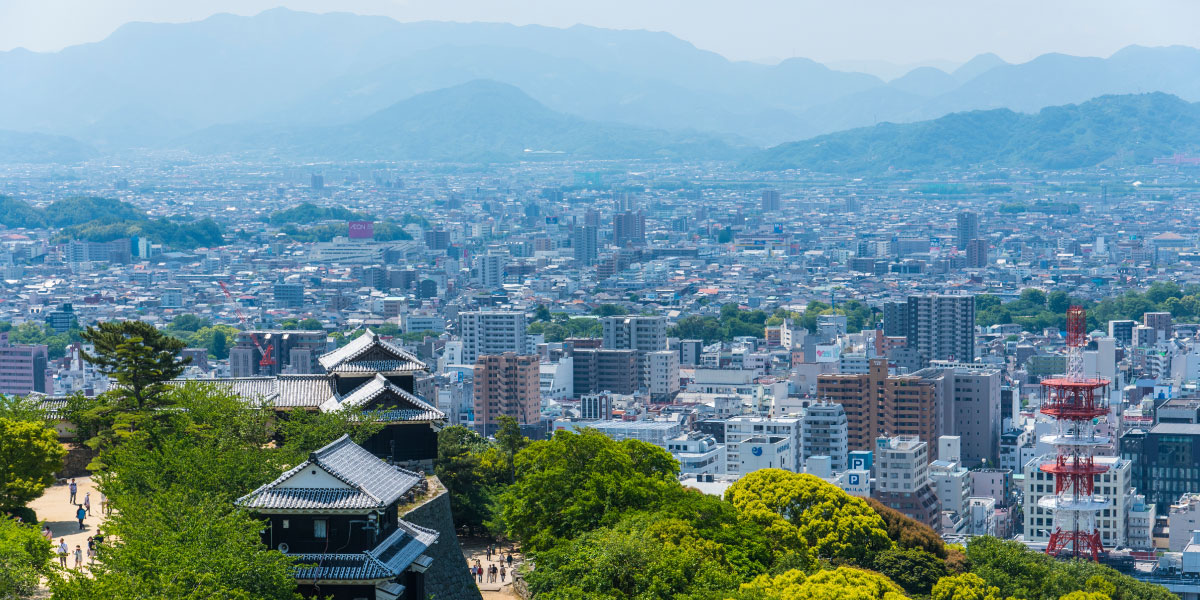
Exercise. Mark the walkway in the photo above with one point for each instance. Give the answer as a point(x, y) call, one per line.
point(54, 508)
point(475, 549)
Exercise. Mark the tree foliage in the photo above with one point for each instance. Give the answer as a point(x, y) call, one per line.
point(842, 583)
point(29, 456)
point(913, 569)
point(577, 482)
point(801, 508)
point(139, 357)
point(25, 557)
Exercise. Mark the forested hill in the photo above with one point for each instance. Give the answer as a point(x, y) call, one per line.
point(105, 220)
point(1128, 129)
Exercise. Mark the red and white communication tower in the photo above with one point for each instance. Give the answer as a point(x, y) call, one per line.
point(1075, 402)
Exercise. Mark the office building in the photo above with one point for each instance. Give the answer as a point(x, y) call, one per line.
point(1122, 331)
point(697, 453)
point(506, 385)
point(595, 407)
point(942, 327)
point(1183, 518)
point(61, 319)
point(602, 370)
point(902, 478)
point(585, 244)
point(1163, 461)
point(437, 239)
point(823, 432)
point(973, 412)
point(777, 441)
point(23, 368)
point(492, 332)
point(288, 295)
point(968, 228)
point(770, 201)
point(689, 352)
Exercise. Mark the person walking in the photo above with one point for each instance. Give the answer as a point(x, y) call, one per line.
point(104, 504)
point(509, 560)
point(78, 556)
point(73, 488)
point(91, 550)
point(62, 552)
point(87, 503)
point(81, 515)
point(502, 573)
point(46, 533)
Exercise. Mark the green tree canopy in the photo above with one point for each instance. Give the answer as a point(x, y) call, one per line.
point(25, 557)
point(140, 357)
point(577, 482)
point(842, 583)
point(832, 523)
point(29, 456)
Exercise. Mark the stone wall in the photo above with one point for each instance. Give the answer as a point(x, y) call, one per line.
point(447, 578)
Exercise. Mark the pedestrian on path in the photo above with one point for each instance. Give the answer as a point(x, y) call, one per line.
point(62, 552)
point(46, 533)
point(91, 550)
point(87, 503)
point(74, 488)
point(509, 560)
point(81, 515)
point(78, 556)
point(104, 504)
point(502, 572)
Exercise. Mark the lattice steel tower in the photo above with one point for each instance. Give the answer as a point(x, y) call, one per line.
point(1075, 402)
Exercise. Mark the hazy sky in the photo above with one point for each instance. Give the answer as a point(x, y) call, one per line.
point(895, 30)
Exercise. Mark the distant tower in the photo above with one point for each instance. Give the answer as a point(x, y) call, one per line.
point(968, 228)
point(1074, 401)
point(770, 200)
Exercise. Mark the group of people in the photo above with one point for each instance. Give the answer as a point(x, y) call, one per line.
point(493, 573)
point(63, 550)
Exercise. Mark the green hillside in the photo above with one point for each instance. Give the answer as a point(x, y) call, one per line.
point(1131, 129)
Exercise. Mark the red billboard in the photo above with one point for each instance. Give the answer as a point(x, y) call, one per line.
point(362, 230)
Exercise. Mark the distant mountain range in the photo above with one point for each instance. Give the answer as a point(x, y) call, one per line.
point(478, 121)
point(151, 85)
point(1130, 129)
point(21, 147)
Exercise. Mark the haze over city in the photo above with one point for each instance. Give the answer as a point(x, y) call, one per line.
point(599, 300)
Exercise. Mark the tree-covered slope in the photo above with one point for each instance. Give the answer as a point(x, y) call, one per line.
point(1131, 129)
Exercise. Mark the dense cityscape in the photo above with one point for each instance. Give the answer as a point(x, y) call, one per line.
point(635, 373)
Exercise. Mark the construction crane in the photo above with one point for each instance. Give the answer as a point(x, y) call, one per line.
point(268, 358)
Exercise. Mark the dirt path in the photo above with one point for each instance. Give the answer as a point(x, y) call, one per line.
point(475, 550)
point(55, 510)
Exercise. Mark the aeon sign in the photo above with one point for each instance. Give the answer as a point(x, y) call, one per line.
point(360, 230)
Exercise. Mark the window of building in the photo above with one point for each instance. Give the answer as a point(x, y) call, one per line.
point(319, 529)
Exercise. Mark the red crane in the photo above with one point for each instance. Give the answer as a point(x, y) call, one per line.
point(268, 358)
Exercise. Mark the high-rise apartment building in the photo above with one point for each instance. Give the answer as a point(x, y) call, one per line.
point(603, 370)
point(878, 404)
point(490, 269)
point(636, 332)
point(1122, 331)
point(1160, 322)
point(977, 253)
point(662, 374)
point(824, 432)
point(902, 478)
point(895, 319)
point(585, 245)
point(770, 200)
point(968, 228)
point(22, 368)
point(506, 385)
point(491, 332)
point(629, 227)
point(942, 327)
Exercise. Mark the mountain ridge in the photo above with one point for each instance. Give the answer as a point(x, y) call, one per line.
point(1111, 129)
